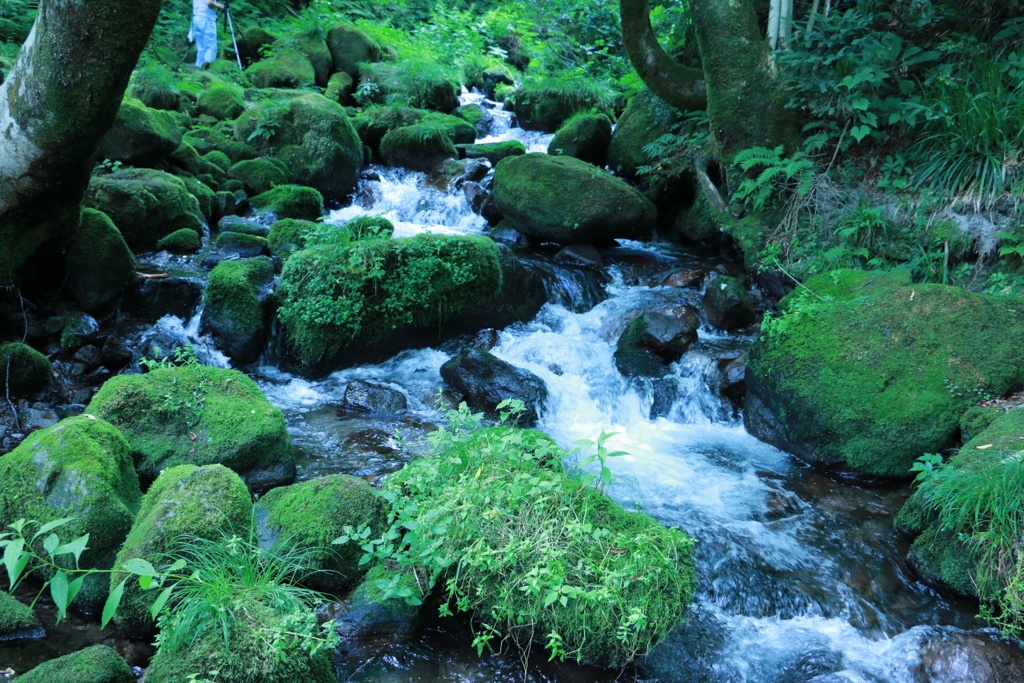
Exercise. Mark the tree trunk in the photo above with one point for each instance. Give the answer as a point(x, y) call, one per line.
point(680, 86)
point(57, 103)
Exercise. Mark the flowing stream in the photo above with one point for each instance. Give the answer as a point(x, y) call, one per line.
point(800, 576)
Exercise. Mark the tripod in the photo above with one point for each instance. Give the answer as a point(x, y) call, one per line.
point(230, 23)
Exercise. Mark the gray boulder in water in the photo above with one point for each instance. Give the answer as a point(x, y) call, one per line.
point(484, 380)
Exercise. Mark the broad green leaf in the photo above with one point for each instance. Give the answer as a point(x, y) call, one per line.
point(51, 543)
point(12, 560)
point(858, 133)
point(145, 582)
point(113, 601)
point(861, 103)
point(75, 547)
point(74, 587)
point(160, 601)
point(59, 593)
point(140, 567)
point(50, 526)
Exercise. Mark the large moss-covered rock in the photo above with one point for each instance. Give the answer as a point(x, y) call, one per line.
point(140, 136)
point(565, 200)
point(79, 468)
point(311, 514)
point(260, 175)
point(547, 103)
point(209, 140)
point(881, 370)
point(645, 120)
point(315, 50)
point(182, 241)
point(184, 500)
point(224, 102)
point(584, 136)
point(350, 47)
point(23, 370)
point(329, 309)
point(16, 620)
point(313, 137)
point(199, 415)
point(289, 235)
point(96, 664)
point(291, 201)
point(289, 68)
point(339, 88)
point(145, 205)
point(493, 151)
point(246, 658)
point(100, 265)
point(236, 307)
point(420, 84)
point(420, 147)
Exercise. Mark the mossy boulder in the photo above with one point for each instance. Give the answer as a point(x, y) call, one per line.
point(184, 241)
point(315, 50)
point(727, 303)
point(202, 189)
point(186, 158)
point(198, 415)
point(95, 664)
point(291, 201)
point(155, 87)
point(289, 235)
point(223, 102)
point(419, 147)
point(207, 140)
point(246, 658)
point(313, 137)
point(493, 151)
point(565, 200)
point(474, 115)
point(459, 130)
point(235, 310)
point(421, 84)
point(79, 468)
point(289, 68)
point(23, 369)
point(254, 39)
point(653, 341)
point(881, 370)
point(584, 136)
point(339, 88)
point(645, 120)
point(140, 136)
point(16, 620)
point(184, 500)
point(545, 104)
point(99, 263)
point(145, 205)
point(350, 47)
point(260, 175)
point(376, 121)
point(329, 310)
point(311, 514)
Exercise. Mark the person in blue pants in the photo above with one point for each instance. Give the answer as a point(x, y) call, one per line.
point(204, 30)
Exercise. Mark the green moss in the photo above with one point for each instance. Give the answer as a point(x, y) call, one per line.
point(218, 159)
point(459, 131)
point(23, 369)
point(155, 86)
point(471, 113)
point(206, 140)
point(247, 658)
point(374, 122)
point(15, 617)
point(289, 68)
point(350, 47)
point(184, 500)
point(242, 241)
point(140, 136)
point(234, 305)
point(645, 120)
point(195, 415)
point(80, 468)
point(202, 188)
point(420, 147)
point(327, 306)
point(421, 84)
point(145, 205)
point(224, 102)
point(339, 88)
point(848, 284)
point(877, 380)
point(976, 420)
point(942, 559)
point(494, 151)
point(565, 200)
point(370, 227)
point(313, 513)
point(312, 136)
point(544, 104)
point(289, 235)
point(259, 175)
point(184, 241)
point(584, 136)
point(96, 664)
point(291, 201)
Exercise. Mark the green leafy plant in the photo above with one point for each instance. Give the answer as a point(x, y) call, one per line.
point(779, 174)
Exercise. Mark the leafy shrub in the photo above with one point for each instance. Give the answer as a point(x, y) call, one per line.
point(502, 528)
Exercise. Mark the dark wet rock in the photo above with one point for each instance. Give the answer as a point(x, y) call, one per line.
point(17, 622)
point(580, 255)
point(953, 656)
point(685, 279)
point(117, 352)
point(475, 195)
point(23, 369)
point(153, 298)
point(242, 245)
point(585, 137)
point(734, 375)
point(654, 340)
point(369, 614)
point(79, 328)
point(455, 173)
point(485, 381)
point(485, 339)
point(89, 355)
point(727, 304)
point(371, 397)
point(664, 393)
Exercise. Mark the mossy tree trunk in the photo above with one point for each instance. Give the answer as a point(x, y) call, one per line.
point(744, 102)
point(57, 103)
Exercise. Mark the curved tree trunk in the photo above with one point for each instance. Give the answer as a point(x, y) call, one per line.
point(745, 105)
point(55, 107)
point(679, 86)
